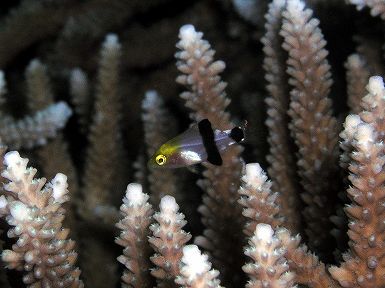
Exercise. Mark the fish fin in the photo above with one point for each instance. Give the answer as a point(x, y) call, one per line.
point(208, 139)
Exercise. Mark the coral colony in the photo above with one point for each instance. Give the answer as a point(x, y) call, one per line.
point(301, 203)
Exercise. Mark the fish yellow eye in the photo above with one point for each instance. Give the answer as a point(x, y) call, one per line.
point(160, 159)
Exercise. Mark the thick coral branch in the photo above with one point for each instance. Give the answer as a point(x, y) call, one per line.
point(364, 264)
point(357, 76)
point(259, 201)
point(158, 128)
point(195, 270)
point(220, 211)
point(281, 157)
point(35, 214)
point(168, 240)
point(313, 126)
point(269, 267)
point(137, 213)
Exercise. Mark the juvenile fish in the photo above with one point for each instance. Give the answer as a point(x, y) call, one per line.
point(198, 144)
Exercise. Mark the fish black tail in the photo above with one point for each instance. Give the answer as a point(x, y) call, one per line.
point(237, 134)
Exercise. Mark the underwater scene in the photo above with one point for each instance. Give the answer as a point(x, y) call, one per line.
point(197, 144)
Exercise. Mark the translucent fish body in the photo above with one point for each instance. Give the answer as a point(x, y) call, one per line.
point(197, 144)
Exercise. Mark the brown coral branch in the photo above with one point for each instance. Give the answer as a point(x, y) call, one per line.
point(357, 76)
point(158, 128)
point(281, 157)
point(42, 250)
point(377, 7)
point(364, 263)
point(258, 199)
point(313, 126)
point(168, 240)
point(207, 98)
point(195, 270)
point(269, 267)
point(306, 266)
point(137, 213)
point(40, 95)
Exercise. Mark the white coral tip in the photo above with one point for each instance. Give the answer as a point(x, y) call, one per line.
point(355, 61)
point(195, 262)
point(12, 159)
point(3, 202)
point(168, 204)
point(376, 85)
point(59, 186)
point(78, 77)
point(34, 64)
point(135, 195)
point(254, 175)
point(351, 123)
point(111, 40)
point(365, 134)
point(19, 211)
point(150, 99)
point(264, 232)
point(188, 34)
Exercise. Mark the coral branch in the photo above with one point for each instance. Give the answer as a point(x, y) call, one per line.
point(258, 199)
point(158, 128)
point(357, 76)
point(308, 269)
point(195, 270)
point(168, 240)
point(135, 224)
point(42, 248)
point(81, 97)
point(313, 126)
point(281, 158)
point(377, 7)
point(220, 211)
point(34, 130)
point(269, 267)
point(364, 263)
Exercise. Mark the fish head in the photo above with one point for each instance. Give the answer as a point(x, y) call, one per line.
point(167, 156)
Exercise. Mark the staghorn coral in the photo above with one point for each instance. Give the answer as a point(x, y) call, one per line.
point(66, 35)
point(357, 75)
point(195, 270)
point(364, 263)
point(158, 128)
point(281, 146)
point(167, 241)
point(270, 266)
point(313, 127)
point(208, 100)
point(42, 249)
point(133, 237)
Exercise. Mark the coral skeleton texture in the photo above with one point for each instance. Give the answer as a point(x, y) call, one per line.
point(89, 91)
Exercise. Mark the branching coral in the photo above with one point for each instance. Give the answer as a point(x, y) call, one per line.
point(364, 263)
point(42, 249)
point(208, 100)
point(281, 146)
point(195, 270)
point(167, 240)
point(313, 127)
point(137, 214)
point(270, 267)
point(281, 218)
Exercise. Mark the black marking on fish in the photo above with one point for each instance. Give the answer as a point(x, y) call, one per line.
point(237, 134)
point(207, 134)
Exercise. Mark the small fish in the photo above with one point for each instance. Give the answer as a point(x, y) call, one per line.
point(197, 144)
